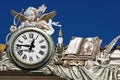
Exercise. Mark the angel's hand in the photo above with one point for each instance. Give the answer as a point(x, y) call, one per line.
point(43, 25)
point(13, 28)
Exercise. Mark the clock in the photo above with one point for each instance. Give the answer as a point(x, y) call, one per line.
point(30, 48)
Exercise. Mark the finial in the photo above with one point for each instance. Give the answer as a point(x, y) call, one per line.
point(60, 32)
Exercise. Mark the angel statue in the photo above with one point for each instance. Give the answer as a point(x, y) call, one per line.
point(35, 17)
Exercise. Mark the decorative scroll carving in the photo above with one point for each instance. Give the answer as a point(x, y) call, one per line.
point(98, 69)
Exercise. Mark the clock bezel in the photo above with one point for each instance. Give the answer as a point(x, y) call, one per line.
point(40, 64)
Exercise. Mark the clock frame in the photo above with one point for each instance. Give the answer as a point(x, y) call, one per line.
point(46, 59)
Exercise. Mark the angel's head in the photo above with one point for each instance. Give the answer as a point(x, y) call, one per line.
point(31, 13)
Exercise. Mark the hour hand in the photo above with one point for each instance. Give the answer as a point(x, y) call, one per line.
point(25, 45)
point(32, 45)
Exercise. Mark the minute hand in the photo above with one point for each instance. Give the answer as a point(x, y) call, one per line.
point(25, 45)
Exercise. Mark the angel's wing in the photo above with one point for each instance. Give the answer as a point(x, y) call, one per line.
point(18, 16)
point(48, 16)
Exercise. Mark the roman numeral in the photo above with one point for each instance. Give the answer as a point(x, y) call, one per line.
point(24, 57)
point(30, 58)
point(20, 41)
point(43, 46)
point(41, 41)
point(37, 57)
point(20, 52)
point(25, 37)
point(37, 36)
point(17, 48)
point(41, 52)
point(31, 35)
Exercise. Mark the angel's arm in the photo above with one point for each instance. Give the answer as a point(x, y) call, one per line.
point(43, 24)
point(22, 25)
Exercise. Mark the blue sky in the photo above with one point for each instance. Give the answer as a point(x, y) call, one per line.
point(84, 18)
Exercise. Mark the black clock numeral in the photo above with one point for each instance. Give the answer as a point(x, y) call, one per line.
point(30, 58)
point(41, 52)
point(31, 35)
point(24, 57)
point(41, 41)
point(37, 36)
point(43, 46)
point(20, 41)
point(37, 57)
point(20, 52)
point(25, 37)
point(17, 48)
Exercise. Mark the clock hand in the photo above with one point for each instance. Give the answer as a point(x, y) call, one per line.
point(22, 45)
point(32, 45)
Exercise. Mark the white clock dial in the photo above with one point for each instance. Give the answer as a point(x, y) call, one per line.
point(30, 48)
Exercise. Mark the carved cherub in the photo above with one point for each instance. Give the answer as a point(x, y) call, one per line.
point(35, 17)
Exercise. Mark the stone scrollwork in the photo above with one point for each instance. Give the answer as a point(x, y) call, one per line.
point(91, 71)
point(98, 69)
point(6, 64)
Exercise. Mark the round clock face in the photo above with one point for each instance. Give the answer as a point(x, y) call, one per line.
point(31, 48)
